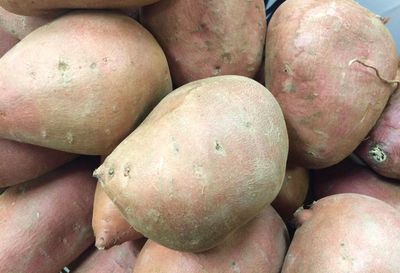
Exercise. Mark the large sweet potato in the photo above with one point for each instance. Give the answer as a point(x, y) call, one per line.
point(81, 83)
point(119, 259)
point(7, 41)
point(45, 7)
point(293, 192)
point(20, 162)
point(208, 38)
point(208, 158)
point(259, 246)
point(346, 233)
point(109, 226)
point(329, 101)
point(46, 222)
point(381, 149)
point(349, 177)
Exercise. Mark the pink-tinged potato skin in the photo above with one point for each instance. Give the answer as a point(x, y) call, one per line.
point(109, 226)
point(20, 26)
point(119, 259)
point(81, 83)
point(329, 104)
point(20, 162)
point(7, 41)
point(46, 7)
point(381, 149)
point(348, 177)
point(47, 222)
point(208, 38)
point(259, 246)
point(293, 192)
point(346, 233)
point(208, 158)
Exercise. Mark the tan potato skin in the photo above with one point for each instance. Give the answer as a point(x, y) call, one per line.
point(349, 177)
point(208, 158)
point(46, 222)
point(90, 88)
point(7, 41)
point(346, 233)
point(109, 226)
point(293, 192)
point(45, 7)
point(208, 38)
point(20, 162)
point(329, 105)
point(119, 259)
point(259, 246)
point(20, 26)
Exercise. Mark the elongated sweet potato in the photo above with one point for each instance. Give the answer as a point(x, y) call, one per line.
point(44, 7)
point(208, 38)
point(46, 222)
point(119, 259)
point(349, 177)
point(346, 233)
point(7, 41)
point(259, 246)
point(208, 158)
point(293, 192)
point(329, 99)
point(20, 26)
point(99, 74)
point(20, 162)
point(381, 149)
point(109, 226)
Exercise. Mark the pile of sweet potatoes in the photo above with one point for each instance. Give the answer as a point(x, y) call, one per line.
point(171, 136)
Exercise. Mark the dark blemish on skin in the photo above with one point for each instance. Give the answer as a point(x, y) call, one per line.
point(248, 124)
point(111, 172)
point(127, 171)
point(93, 65)
point(218, 146)
point(377, 153)
point(217, 70)
point(226, 58)
point(63, 66)
point(341, 244)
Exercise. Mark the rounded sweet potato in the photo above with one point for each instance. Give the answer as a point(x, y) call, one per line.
point(109, 226)
point(46, 222)
point(20, 162)
point(208, 158)
point(99, 73)
point(119, 259)
point(208, 38)
point(259, 246)
point(346, 233)
point(381, 149)
point(330, 102)
point(7, 41)
point(349, 177)
point(293, 192)
point(45, 7)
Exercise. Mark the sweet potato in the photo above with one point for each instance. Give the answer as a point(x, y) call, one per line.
point(346, 233)
point(259, 246)
point(381, 149)
point(20, 162)
point(109, 226)
point(45, 7)
point(293, 192)
point(329, 99)
point(99, 74)
point(119, 259)
point(7, 41)
point(349, 177)
point(20, 26)
point(208, 38)
point(208, 158)
point(46, 222)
